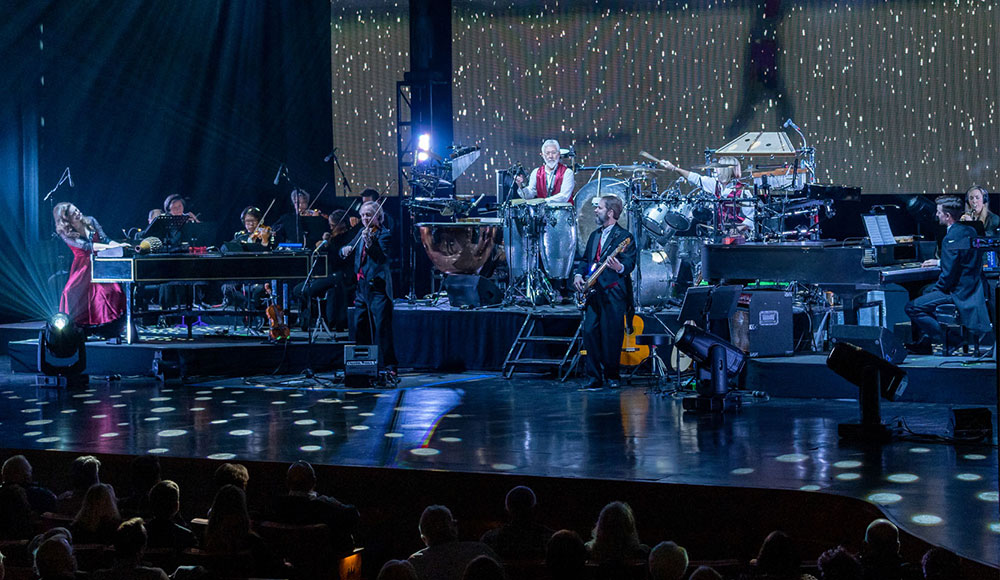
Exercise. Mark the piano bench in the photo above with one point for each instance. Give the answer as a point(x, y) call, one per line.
point(948, 317)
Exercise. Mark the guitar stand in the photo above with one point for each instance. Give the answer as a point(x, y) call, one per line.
point(320, 325)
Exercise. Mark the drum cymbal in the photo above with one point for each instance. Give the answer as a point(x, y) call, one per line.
point(715, 165)
point(639, 167)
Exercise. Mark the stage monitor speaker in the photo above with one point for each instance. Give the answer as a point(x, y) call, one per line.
point(465, 290)
point(762, 324)
point(975, 423)
point(360, 365)
point(874, 339)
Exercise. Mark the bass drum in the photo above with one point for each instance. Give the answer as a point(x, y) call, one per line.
point(658, 269)
point(584, 202)
point(559, 239)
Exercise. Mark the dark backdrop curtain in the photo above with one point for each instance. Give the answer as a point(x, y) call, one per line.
point(145, 99)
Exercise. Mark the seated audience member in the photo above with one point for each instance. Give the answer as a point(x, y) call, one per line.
point(667, 561)
point(705, 573)
point(3, 569)
point(880, 556)
point(778, 559)
point(17, 471)
point(566, 556)
point(162, 531)
point(130, 543)
point(522, 538)
point(483, 568)
point(98, 518)
point(839, 564)
point(229, 530)
point(397, 570)
point(940, 564)
point(445, 557)
point(51, 533)
point(615, 538)
point(15, 513)
point(232, 474)
point(54, 559)
point(84, 472)
point(145, 471)
point(303, 505)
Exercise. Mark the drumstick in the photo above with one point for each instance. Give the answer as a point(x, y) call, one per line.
point(650, 157)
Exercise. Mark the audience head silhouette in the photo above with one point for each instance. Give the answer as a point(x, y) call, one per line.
point(668, 561)
point(232, 474)
point(301, 477)
point(437, 526)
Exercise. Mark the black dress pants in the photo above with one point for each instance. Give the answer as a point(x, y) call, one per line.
point(603, 332)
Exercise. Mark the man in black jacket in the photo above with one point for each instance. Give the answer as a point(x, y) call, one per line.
point(373, 299)
point(604, 317)
point(961, 281)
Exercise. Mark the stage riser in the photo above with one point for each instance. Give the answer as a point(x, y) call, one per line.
point(238, 359)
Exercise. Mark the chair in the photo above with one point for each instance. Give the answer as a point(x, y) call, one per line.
point(950, 320)
point(306, 547)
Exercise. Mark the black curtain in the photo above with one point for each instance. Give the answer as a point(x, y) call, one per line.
point(145, 99)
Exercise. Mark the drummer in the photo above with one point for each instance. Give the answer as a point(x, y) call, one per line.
point(553, 181)
point(725, 185)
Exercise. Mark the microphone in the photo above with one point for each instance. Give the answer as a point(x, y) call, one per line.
point(69, 177)
point(321, 245)
point(277, 177)
point(790, 123)
point(150, 245)
point(330, 156)
point(475, 203)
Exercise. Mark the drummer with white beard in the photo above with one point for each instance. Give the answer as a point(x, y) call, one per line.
point(553, 181)
point(725, 185)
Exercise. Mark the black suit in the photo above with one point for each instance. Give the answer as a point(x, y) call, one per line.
point(604, 317)
point(373, 299)
point(961, 283)
point(342, 519)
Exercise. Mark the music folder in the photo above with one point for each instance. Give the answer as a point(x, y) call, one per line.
point(879, 232)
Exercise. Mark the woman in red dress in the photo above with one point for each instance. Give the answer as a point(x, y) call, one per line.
point(89, 304)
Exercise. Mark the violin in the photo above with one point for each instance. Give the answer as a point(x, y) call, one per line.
point(313, 213)
point(261, 235)
point(276, 319)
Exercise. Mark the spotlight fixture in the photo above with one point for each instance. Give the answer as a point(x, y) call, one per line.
point(62, 353)
point(718, 361)
point(875, 378)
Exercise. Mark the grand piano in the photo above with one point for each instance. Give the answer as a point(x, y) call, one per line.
point(848, 271)
point(154, 268)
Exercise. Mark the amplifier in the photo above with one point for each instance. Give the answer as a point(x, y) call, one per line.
point(360, 365)
point(762, 325)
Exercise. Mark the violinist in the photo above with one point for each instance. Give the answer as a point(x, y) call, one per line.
point(98, 308)
point(373, 299)
point(302, 225)
point(253, 230)
point(338, 286)
point(176, 205)
point(244, 294)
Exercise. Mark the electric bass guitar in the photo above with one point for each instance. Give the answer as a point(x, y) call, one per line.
point(584, 295)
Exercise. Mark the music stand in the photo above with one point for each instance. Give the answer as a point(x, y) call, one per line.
point(707, 303)
point(167, 228)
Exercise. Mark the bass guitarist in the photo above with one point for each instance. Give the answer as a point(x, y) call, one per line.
point(604, 314)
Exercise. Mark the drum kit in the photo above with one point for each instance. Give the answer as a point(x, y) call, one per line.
point(539, 240)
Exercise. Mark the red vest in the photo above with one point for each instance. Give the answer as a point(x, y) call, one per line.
point(541, 190)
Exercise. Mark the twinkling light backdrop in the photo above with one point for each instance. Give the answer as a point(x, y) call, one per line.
point(897, 97)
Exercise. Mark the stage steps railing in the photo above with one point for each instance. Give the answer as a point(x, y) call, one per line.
point(564, 365)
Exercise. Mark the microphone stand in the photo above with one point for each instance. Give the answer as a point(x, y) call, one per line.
point(343, 177)
point(321, 322)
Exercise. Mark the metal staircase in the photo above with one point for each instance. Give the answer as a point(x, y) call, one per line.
point(527, 335)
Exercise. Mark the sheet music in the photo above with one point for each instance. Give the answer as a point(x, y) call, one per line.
point(878, 229)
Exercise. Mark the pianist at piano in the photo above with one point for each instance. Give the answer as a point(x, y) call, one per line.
point(90, 304)
point(961, 282)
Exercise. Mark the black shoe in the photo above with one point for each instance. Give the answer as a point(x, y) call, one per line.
point(922, 346)
point(613, 384)
point(594, 384)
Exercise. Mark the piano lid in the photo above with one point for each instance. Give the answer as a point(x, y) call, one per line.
point(758, 144)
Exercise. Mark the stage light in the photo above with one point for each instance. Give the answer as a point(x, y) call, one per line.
point(659, 257)
point(875, 377)
point(718, 361)
point(424, 142)
point(62, 353)
point(423, 156)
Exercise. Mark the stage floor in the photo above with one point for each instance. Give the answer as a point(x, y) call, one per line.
point(943, 492)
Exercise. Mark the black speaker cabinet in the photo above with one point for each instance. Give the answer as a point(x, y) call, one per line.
point(360, 365)
point(762, 325)
point(874, 339)
point(471, 291)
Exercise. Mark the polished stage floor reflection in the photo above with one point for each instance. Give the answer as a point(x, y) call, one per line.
point(943, 492)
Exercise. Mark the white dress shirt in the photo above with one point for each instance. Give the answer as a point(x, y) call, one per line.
point(565, 190)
